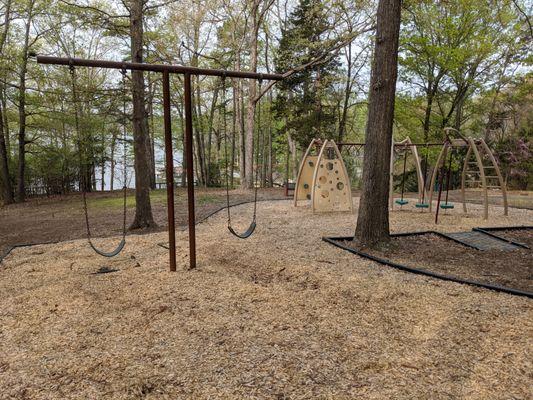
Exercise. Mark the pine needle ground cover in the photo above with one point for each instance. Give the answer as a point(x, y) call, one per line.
point(280, 315)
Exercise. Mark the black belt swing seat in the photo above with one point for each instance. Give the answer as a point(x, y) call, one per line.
point(402, 201)
point(83, 178)
point(251, 228)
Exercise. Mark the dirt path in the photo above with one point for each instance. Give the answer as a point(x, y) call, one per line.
point(279, 315)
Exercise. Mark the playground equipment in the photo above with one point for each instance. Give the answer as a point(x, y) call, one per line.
point(479, 169)
point(323, 179)
point(404, 147)
point(482, 172)
point(304, 181)
point(422, 204)
point(331, 184)
point(82, 161)
point(187, 73)
point(253, 224)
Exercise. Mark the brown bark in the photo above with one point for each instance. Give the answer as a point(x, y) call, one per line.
point(152, 131)
point(22, 142)
point(141, 138)
point(373, 217)
point(6, 189)
point(112, 167)
point(347, 93)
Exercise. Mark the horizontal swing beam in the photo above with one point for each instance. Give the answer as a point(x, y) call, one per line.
point(395, 144)
point(176, 69)
point(167, 69)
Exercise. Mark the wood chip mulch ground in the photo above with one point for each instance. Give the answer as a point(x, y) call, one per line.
point(281, 315)
point(513, 269)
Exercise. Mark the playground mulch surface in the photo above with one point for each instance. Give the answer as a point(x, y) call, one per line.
point(513, 269)
point(280, 315)
point(61, 218)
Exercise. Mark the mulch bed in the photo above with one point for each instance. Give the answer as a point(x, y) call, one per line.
point(434, 253)
point(524, 236)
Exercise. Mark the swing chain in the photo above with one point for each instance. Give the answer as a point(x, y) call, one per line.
point(82, 161)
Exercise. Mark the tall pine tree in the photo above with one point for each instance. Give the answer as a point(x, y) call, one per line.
point(303, 100)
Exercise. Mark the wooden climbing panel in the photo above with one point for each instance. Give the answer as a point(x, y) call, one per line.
point(331, 189)
point(304, 181)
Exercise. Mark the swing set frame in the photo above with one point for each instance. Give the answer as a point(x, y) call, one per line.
point(166, 70)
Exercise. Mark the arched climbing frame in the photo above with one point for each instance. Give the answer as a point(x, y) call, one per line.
point(480, 170)
point(304, 181)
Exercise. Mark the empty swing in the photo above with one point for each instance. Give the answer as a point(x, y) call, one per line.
point(83, 177)
point(251, 228)
point(422, 203)
point(446, 205)
point(402, 201)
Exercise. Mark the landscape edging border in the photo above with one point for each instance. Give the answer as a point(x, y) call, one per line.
point(335, 241)
point(184, 227)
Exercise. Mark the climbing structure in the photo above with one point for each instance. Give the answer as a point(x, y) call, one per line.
point(304, 181)
point(480, 170)
point(331, 189)
point(323, 179)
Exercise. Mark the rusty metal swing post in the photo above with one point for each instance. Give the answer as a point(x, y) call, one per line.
point(166, 70)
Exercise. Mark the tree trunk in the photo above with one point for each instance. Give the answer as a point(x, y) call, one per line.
point(233, 138)
point(373, 217)
point(21, 184)
point(347, 93)
point(152, 131)
point(6, 190)
point(112, 167)
point(141, 137)
point(294, 155)
point(271, 154)
point(250, 109)
point(240, 124)
point(427, 116)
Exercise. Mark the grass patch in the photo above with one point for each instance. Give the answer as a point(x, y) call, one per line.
point(156, 197)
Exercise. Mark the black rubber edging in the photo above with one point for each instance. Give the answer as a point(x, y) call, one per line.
point(199, 221)
point(335, 241)
point(506, 228)
point(440, 234)
point(203, 219)
point(209, 215)
point(503, 239)
point(16, 246)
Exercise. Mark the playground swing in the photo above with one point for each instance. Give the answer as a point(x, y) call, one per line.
point(422, 203)
point(251, 228)
point(402, 202)
point(83, 178)
point(447, 205)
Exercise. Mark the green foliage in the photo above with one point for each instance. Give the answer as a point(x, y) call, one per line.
point(303, 100)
